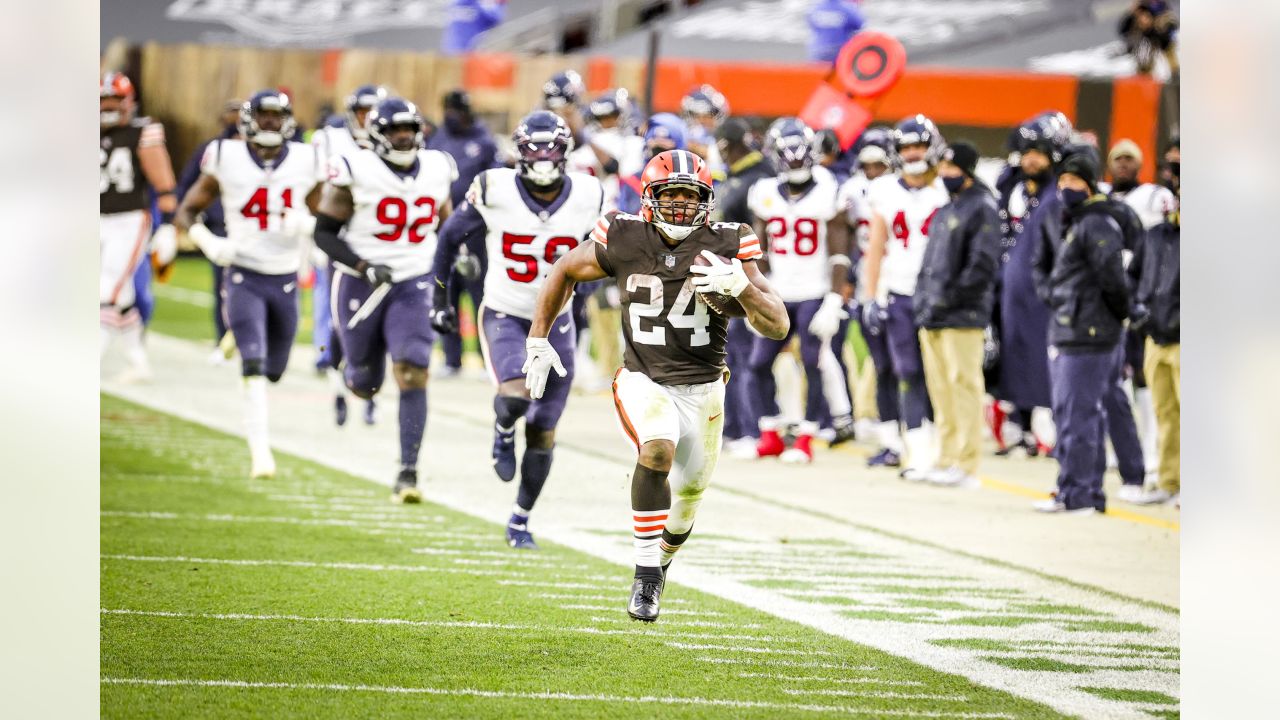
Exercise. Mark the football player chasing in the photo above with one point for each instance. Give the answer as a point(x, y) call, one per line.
point(801, 215)
point(529, 216)
point(391, 199)
point(262, 180)
point(131, 156)
point(669, 394)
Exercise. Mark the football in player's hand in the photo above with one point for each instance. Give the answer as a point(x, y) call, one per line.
point(723, 304)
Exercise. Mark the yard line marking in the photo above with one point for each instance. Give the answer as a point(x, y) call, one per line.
point(555, 585)
point(888, 694)
point(183, 295)
point(508, 694)
point(819, 678)
point(309, 564)
point(606, 608)
point(687, 623)
point(279, 519)
point(457, 624)
point(784, 663)
point(740, 648)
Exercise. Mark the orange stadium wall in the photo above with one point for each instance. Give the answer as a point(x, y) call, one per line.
point(185, 86)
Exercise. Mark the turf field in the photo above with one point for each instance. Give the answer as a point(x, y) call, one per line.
point(312, 596)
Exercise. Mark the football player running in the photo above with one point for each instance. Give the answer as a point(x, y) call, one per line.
point(800, 214)
point(332, 143)
point(390, 199)
point(261, 180)
point(669, 394)
point(902, 205)
point(529, 217)
point(132, 155)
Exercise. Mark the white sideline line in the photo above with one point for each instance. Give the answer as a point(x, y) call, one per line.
point(739, 648)
point(785, 663)
point(506, 694)
point(277, 519)
point(606, 608)
point(555, 585)
point(888, 694)
point(455, 624)
point(620, 595)
point(687, 623)
point(839, 681)
point(183, 295)
point(309, 564)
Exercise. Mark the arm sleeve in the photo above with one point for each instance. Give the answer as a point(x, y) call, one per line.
point(461, 225)
point(327, 229)
point(978, 271)
point(1103, 246)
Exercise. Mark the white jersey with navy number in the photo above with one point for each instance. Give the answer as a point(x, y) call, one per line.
point(1151, 202)
point(396, 210)
point(796, 229)
point(332, 143)
point(524, 238)
point(254, 196)
point(906, 213)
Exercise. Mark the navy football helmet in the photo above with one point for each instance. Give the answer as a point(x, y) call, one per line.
point(663, 132)
point(364, 98)
point(705, 100)
point(1049, 133)
point(789, 143)
point(387, 116)
point(252, 114)
point(610, 103)
point(543, 142)
point(917, 130)
point(875, 145)
point(563, 89)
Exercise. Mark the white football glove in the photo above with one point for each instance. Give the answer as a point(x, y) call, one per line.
point(541, 358)
point(298, 223)
point(164, 244)
point(826, 322)
point(726, 278)
point(220, 251)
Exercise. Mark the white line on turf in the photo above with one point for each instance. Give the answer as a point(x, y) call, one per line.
point(784, 663)
point(283, 520)
point(685, 623)
point(606, 608)
point(740, 648)
point(571, 697)
point(888, 694)
point(458, 624)
point(841, 681)
point(373, 567)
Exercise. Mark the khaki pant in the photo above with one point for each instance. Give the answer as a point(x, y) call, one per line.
point(606, 329)
point(953, 372)
point(1163, 369)
point(864, 393)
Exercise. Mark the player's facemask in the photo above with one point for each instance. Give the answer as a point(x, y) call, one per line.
point(666, 210)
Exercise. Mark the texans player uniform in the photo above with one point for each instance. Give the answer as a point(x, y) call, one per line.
point(524, 235)
point(381, 295)
point(264, 182)
point(906, 213)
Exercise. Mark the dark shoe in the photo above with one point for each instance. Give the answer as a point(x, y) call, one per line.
point(844, 431)
point(504, 453)
point(340, 410)
point(645, 593)
point(518, 535)
point(406, 490)
point(885, 458)
point(370, 412)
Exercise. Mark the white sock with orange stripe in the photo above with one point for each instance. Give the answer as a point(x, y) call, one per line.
point(648, 525)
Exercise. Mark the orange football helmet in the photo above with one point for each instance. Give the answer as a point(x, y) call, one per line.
point(116, 85)
point(675, 168)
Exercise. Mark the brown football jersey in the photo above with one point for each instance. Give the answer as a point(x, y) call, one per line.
point(123, 187)
point(670, 336)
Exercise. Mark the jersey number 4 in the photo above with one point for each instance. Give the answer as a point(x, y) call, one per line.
point(394, 213)
point(525, 269)
point(256, 208)
point(806, 235)
point(679, 316)
point(902, 231)
point(117, 170)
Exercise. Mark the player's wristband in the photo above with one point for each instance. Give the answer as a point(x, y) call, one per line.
point(840, 260)
point(166, 218)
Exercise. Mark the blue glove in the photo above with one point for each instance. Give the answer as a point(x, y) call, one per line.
point(873, 317)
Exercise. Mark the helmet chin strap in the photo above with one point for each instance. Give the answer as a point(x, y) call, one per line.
point(532, 186)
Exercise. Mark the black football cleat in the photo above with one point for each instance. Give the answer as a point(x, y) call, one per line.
point(340, 410)
point(406, 490)
point(370, 412)
point(504, 453)
point(645, 593)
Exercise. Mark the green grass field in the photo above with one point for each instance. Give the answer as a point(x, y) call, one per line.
point(313, 596)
